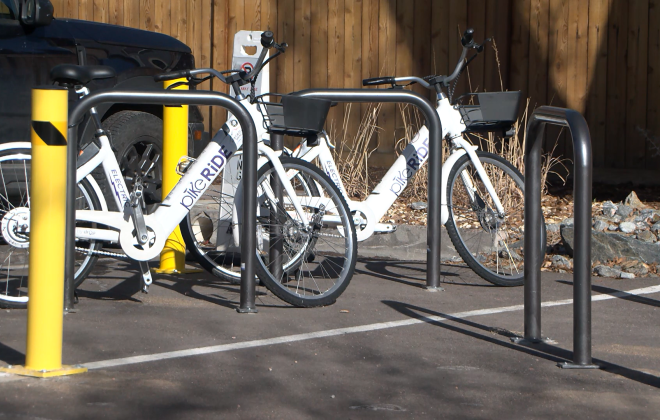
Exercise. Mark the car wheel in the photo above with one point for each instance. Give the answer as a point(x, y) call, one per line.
point(137, 139)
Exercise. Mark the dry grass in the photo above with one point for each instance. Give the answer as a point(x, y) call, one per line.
point(352, 154)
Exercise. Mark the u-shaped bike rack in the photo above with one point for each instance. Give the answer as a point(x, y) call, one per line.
point(582, 224)
point(248, 241)
point(434, 163)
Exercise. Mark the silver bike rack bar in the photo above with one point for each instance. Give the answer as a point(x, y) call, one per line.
point(434, 163)
point(582, 225)
point(248, 239)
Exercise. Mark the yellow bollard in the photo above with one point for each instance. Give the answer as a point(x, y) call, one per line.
point(47, 231)
point(175, 145)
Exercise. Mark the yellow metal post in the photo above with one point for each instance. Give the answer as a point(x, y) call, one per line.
point(47, 234)
point(175, 145)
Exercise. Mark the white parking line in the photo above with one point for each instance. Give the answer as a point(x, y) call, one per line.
point(342, 331)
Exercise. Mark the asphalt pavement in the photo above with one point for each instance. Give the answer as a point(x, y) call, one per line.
point(387, 349)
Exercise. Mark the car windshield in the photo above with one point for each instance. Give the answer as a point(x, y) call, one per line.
point(7, 9)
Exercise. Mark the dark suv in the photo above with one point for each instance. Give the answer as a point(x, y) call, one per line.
point(32, 42)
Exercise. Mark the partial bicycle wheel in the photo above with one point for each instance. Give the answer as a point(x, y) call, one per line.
point(318, 259)
point(490, 244)
point(207, 230)
point(15, 228)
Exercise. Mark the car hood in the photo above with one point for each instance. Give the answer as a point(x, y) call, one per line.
point(121, 35)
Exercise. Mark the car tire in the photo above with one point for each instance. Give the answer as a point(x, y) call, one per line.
point(135, 136)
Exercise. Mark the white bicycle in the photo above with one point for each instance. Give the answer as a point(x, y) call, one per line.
point(313, 225)
point(482, 194)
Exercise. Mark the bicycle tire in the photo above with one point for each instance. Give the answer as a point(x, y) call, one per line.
point(14, 245)
point(486, 224)
point(199, 230)
point(311, 182)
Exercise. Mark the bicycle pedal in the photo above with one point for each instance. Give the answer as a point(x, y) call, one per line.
point(184, 165)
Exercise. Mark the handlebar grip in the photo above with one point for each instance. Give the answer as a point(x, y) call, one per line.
point(378, 81)
point(467, 37)
point(172, 75)
point(267, 39)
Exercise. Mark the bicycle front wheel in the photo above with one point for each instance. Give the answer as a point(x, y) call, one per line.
point(317, 261)
point(491, 244)
point(15, 228)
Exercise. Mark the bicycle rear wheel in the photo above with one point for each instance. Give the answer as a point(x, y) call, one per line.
point(15, 233)
point(489, 243)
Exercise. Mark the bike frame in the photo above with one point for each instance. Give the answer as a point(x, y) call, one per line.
point(196, 180)
point(413, 157)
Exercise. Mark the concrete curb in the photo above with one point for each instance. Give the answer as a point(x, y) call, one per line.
point(407, 243)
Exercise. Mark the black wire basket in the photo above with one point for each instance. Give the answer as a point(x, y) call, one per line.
point(293, 115)
point(495, 111)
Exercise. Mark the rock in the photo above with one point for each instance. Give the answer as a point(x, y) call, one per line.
point(634, 202)
point(552, 227)
point(623, 275)
point(605, 271)
point(419, 205)
point(635, 267)
point(567, 222)
point(601, 225)
point(627, 227)
point(559, 261)
point(609, 209)
point(609, 246)
point(612, 227)
point(655, 227)
point(646, 236)
point(655, 218)
point(624, 211)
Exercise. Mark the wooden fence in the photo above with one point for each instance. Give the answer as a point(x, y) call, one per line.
point(601, 57)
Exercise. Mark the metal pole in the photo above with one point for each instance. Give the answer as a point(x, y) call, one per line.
point(582, 247)
point(533, 219)
point(435, 158)
point(46, 224)
point(276, 243)
point(248, 241)
point(582, 230)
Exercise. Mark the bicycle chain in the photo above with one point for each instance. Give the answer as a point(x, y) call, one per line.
point(96, 252)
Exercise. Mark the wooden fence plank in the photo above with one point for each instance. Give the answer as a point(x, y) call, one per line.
point(352, 62)
point(116, 12)
point(538, 52)
point(70, 9)
point(520, 46)
point(336, 61)
point(387, 64)
point(162, 16)
point(440, 28)
point(496, 72)
point(269, 22)
point(653, 101)
point(301, 48)
point(219, 57)
point(638, 37)
point(319, 44)
point(616, 84)
point(404, 50)
point(597, 77)
point(458, 15)
point(476, 20)
point(421, 54)
point(86, 9)
point(252, 15)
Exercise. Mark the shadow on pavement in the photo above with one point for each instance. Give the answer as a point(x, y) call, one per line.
point(386, 269)
point(542, 350)
point(614, 292)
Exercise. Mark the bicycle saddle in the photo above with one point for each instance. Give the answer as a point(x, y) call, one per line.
point(80, 75)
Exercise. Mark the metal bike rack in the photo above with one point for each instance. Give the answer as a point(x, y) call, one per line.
point(248, 239)
point(582, 225)
point(434, 163)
